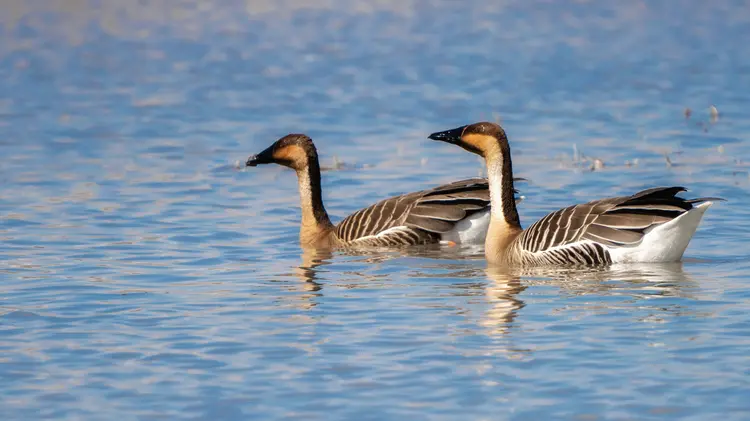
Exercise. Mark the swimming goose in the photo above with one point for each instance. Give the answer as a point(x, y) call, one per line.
point(452, 213)
point(652, 225)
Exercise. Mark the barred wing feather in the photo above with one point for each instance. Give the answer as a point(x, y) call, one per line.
point(614, 222)
point(417, 217)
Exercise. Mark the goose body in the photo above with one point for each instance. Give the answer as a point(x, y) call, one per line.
point(458, 212)
point(452, 213)
point(650, 226)
point(653, 225)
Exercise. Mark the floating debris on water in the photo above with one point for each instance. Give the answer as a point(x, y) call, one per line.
point(229, 166)
point(632, 163)
point(669, 161)
point(597, 164)
point(337, 165)
point(714, 114)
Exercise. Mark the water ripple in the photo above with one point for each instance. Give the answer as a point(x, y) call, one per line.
point(146, 274)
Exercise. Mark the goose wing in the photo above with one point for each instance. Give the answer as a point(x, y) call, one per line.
point(416, 218)
point(589, 228)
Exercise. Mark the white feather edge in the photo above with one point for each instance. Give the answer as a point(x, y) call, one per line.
point(471, 230)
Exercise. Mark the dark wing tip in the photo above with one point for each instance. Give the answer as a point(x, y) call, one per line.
point(659, 191)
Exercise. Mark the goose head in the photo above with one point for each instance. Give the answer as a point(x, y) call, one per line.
point(482, 138)
point(295, 151)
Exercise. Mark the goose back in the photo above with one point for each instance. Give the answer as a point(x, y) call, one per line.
point(585, 233)
point(415, 218)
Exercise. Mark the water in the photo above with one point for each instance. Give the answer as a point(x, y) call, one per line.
point(144, 275)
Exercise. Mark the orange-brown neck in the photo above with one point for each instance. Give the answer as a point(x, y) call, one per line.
point(504, 222)
point(316, 227)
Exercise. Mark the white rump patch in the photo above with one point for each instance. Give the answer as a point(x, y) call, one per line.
point(665, 243)
point(471, 230)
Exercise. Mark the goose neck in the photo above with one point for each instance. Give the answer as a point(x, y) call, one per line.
point(315, 220)
point(500, 177)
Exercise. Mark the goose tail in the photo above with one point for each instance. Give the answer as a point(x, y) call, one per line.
point(666, 242)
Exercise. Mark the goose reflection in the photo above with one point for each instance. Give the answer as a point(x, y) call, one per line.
point(502, 287)
point(647, 280)
point(313, 261)
point(502, 292)
point(309, 272)
point(641, 285)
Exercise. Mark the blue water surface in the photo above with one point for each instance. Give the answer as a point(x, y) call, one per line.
point(145, 274)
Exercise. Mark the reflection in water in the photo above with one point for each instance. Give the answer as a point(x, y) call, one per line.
point(499, 313)
point(638, 281)
point(502, 294)
point(309, 273)
point(429, 251)
point(311, 259)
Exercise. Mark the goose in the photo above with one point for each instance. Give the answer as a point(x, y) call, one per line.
point(650, 226)
point(455, 213)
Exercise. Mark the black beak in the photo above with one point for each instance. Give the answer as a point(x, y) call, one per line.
point(450, 136)
point(265, 157)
